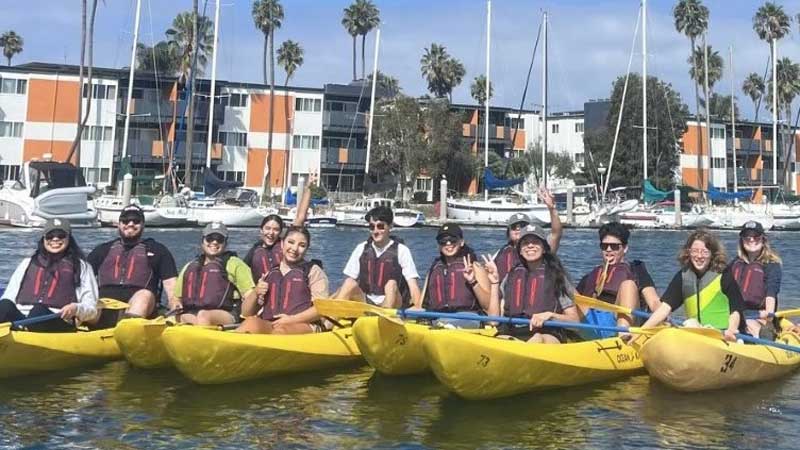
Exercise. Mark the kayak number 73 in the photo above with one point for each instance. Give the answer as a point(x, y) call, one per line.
point(727, 363)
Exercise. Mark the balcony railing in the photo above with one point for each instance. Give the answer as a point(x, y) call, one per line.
point(340, 119)
point(335, 157)
point(496, 132)
point(151, 111)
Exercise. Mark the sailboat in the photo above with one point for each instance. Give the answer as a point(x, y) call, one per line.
point(498, 210)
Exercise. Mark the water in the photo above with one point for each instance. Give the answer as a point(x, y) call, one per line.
point(115, 406)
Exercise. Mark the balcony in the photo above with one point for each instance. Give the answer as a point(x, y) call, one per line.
point(148, 111)
point(146, 151)
point(344, 120)
point(750, 146)
point(497, 133)
point(351, 158)
point(751, 176)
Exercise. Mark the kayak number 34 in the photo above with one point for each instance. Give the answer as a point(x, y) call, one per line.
point(727, 363)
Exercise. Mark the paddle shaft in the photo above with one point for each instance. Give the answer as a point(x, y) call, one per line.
point(500, 319)
point(755, 340)
point(35, 320)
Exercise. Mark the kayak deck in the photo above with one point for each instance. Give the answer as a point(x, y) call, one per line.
point(713, 363)
point(482, 367)
point(211, 356)
point(25, 352)
point(391, 348)
point(140, 342)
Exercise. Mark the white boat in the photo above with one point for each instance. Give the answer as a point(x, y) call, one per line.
point(167, 212)
point(495, 210)
point(234, 207)
point(786, 217)
point(314, 219)
point(734, 217)
point(46, 190)
point(354, 214)
point(689, 219)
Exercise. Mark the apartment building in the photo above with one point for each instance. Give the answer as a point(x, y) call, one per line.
point(565, 135)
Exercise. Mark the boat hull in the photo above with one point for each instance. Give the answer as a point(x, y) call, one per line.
point(494, 213)
point(479, 367)
point(392, 348)
point(141, 344)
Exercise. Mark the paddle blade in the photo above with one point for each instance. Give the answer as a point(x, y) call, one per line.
point(788, 313)
point(110, 303)
point(590, 302)
point(346, 309)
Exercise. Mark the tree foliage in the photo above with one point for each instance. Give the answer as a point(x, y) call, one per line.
point(12, 43)
point(720, 107)
point(442, 71)
point(163, 58)
point(180, 35)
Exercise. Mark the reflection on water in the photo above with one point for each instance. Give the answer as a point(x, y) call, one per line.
point(115, 406)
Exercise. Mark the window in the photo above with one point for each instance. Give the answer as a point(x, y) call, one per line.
point(579, 127)
point(306, 142)
point(717, 133)
point(579, 159)
point(424, 184)
point(9, 172)
point(307, 104)
point(232, 175)
point(102, 92)
point(93, 133)
point(238, 101)
point(718, 163)
point(554, 128)
point(10, 129)
point(22, 86)
point(512, 123)
point(104, 175)
point(13, 86)
point(232, 138)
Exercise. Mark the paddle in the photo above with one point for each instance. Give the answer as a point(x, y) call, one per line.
point(779, 314)
point(611, 307)
point(348, 309)
point(110, 303)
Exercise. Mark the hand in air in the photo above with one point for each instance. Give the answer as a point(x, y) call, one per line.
point(491, 269)
point(546, 197)
point(469, 272)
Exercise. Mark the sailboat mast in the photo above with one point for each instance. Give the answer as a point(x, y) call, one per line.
point(544, 99)
point(775, 112)
point(372, 97)
point(644, 86)
point(213, 86)
point(487, 91)
point(131, 71)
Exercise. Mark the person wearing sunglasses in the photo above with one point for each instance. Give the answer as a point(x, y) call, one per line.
point(209, 288)
point(455, 281)
point(616, 281)
point(538, 288)
point(134, 269)
point(267, 253)
point(705, 287)
point(285, 304)
point(757, 270)
point(56, 279)
point(508, 257)
point(381, 269)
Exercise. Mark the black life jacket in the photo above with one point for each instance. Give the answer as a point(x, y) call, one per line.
point(208, 287)
point(126, 266)
point(615, 276)
point(375, 271)
point(50, 283)
point(262, 259)
point(447, 290)
point(752, 281)
point(506, 258)
point(288, 293)
point(528, 292)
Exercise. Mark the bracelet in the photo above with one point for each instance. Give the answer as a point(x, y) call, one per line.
point(473, 283)
point(495, 283)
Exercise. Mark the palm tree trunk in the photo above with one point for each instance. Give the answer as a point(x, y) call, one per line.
point(699, 128)
point(287, 160)
point(9, 61)
point(354, 57)
point(363, 63)
point(267, 187)
point(76, 144)
point(187, 178)
point(266, 50)
point(80, 77)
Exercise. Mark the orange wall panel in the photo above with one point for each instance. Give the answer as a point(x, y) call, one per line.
point(157, 149)
point(256, 158)
point(519, 140)
point(259, 113)
point(52, 101)
point(690, 140)
point(689, 176)
point(342, 156)
point(35, 149)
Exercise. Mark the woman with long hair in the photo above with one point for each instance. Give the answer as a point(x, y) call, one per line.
point(537, 288)
point(55, 279)
point(705, 287)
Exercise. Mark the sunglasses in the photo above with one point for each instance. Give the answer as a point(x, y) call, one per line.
point(517, 226)
point(380, 226)
point(58, 234)
point(218, 238)
point(447, 241)
point(610, 246)
point(128, 220)
point(751, 238)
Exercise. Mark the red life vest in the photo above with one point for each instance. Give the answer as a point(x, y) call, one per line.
point(288, 293)
point(529, 292)
point(506, 259)
point(447, 289)
point(51, 284)
point(375, 271)
point(262, 259)
point(751, 279)
point(616, 275)
point(208, 287)
point(125, 266)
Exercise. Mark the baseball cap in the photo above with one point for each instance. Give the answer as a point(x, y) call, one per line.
point(215, 228)
point(57, 224)
point(132, 211)
point(518, 218)
point(450, 229)
point(536, 231)
point(752, 227)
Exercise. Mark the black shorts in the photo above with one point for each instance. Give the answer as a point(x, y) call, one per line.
point(523, 332)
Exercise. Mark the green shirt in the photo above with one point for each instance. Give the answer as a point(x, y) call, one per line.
point(238, 273)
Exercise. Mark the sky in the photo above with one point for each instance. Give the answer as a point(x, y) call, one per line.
point(589, 41)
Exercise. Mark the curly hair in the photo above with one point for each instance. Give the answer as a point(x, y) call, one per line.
point(719, 259)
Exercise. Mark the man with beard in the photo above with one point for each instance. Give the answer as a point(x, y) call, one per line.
point(133, 269)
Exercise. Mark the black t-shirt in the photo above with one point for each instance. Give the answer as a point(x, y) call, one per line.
point(161, 263)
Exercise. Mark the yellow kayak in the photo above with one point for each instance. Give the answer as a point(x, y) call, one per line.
point(692, 362)
point(211, 356)
point(391, 348)
point(481, 367)
point(26, 352)
point(140, 342)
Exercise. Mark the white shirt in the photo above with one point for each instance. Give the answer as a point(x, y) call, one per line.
point(86, 292)
point(353, 267)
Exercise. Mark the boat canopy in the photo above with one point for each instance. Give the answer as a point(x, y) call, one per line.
point(46, 175)
point(492, 182)
point(653, 195)
point(212, 183)
point(291, 199)
point(716, 195)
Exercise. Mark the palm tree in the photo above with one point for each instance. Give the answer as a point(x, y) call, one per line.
point(290, 58)
point(441, 71)
point(753, 87)
point(12, 44)
point(691, 19)
point(697, 68)
point(75, 148)
point(788, 75)
point(162, 57)
point(368, 18)
point(388, 83)
point(350, 23)
point(771, 23)
point(268, 15)
point(181, 36)
point(478, 89)
point(454, 74)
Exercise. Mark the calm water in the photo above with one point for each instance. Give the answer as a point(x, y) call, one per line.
point(115, 406)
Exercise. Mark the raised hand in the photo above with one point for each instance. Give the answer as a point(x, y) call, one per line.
point(491, 269)
point(262, 287)
point(546, 197)
point(469, 272)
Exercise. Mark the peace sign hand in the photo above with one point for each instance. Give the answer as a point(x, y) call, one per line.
point(491, 269)
point(262, 287)
point(469, 272)
point(546, 197)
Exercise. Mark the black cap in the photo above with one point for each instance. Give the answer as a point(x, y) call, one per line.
point(752, 227)
point(132, 211)
point(450, 229)
point(518, 218)
point(537, 232)
point(56, 224)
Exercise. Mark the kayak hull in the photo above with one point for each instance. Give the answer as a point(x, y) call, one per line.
point(212, 357)
point(25, 352)
point(392, 348)
point(713, 363)
point(480, 367)
point(140, 342)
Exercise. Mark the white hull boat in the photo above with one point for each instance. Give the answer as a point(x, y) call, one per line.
point(733, 218)
point(354, 214)
point(495, 211)
point(786, 217)
point(234, 207)
point(168, 212)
